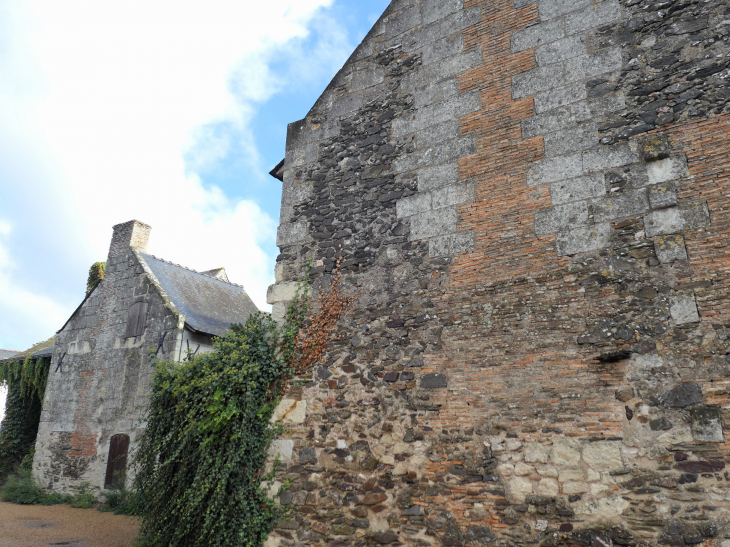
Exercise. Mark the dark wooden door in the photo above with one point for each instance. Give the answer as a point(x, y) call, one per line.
point(116, 466)
point(136, 320)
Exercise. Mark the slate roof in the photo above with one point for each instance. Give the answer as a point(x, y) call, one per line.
point(42, 349)
point(5, 353)
point(209, 304)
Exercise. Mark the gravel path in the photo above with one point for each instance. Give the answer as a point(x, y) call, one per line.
point(38, 526)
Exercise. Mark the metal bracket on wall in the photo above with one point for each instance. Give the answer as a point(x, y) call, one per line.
point(160, 341)
point(60, 362)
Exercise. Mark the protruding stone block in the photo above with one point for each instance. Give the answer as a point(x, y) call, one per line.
point(281, 292)
point(670, 248)
point(684, 310)
point(672, 168)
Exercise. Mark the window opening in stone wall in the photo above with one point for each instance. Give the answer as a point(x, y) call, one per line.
point(116, 467)
point(136, 319)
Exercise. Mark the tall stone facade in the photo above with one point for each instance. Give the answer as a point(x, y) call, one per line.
point(531, 201)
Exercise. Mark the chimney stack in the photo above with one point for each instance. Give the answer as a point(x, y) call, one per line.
point(126, 235)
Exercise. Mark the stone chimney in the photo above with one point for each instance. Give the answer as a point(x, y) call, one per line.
point(126, 235)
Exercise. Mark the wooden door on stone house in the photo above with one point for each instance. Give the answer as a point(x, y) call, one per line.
point(116, 466)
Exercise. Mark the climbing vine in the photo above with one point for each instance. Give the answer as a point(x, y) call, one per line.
point(26, 383)
point(201, 467)
point(96, 274)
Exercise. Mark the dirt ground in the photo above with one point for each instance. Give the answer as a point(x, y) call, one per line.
point(37, 526)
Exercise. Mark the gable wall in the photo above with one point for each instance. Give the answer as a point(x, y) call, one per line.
point(101, 389)
point(539, 348)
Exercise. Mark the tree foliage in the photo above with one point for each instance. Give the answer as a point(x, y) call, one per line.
point(26, 383)
point(201, 464)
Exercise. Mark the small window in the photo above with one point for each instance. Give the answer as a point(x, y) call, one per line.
point(72, 347)
point(136, 320)
point(116, 466)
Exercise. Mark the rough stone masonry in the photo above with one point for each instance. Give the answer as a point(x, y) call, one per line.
point(531, 200)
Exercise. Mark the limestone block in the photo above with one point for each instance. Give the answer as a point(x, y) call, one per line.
point(520, 488)
point(290, 412)
point(549, 100)
point(571, 140)
point(665, 221)
point(550, 9)
point(663, 195)
point(554, 169)
point(670, 248)
point(400, 448)
point(593, 476)
point(434, 223)
point(284, 448)
point(566, 452)
point(513, 444)
point(562, 217)
point(400, 469)
point(606, 507)
point(452, 244)
point(672, 168)
point(598, 489)
point(522, 469)
point(548, 471)
point(581, 188)
point(548, 487)
point(387, 460)
point(609, 157)
point(583, 239)
point(602, 455)
point(684, 310)
point(561, 50)
point(289, 233)
point(536, 80)
point(707, 424)
point(575, 488)
point(593, 16)
point(536, 453)
point(628, 204)
point(537, 35)
point(571, 475)
point(281, 292)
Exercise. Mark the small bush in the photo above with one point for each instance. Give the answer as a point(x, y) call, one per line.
point(122, 501)
point(57, 499)
point(83, 499)
point(22, 490)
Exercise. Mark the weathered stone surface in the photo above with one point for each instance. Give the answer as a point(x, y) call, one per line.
point(686, 394)
point(434, 381)
point(602, 455)
point(565, 452)
point(684, 310)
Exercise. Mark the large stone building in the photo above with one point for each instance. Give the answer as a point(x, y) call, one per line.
point(532, 202)
point(99, 380)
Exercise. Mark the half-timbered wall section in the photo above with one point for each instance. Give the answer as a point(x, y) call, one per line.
point(531, 200)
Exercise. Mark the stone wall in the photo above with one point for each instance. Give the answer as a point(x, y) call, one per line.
point(100, 388)
point(539, 349)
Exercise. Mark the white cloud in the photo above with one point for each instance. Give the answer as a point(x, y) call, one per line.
point(105, 102)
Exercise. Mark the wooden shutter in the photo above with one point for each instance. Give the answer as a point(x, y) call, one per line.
point(136, 319)
point(116, 466)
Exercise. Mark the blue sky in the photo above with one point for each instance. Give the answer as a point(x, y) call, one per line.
point(169, 113)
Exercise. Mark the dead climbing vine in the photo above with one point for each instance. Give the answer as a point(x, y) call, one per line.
point(318, 331)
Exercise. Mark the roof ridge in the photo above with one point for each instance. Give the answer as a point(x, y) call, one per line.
point(194, 271)
point(15, 350)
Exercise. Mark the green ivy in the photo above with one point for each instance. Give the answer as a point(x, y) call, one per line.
point(96, 274)
point(26, 383)
point(201, 465)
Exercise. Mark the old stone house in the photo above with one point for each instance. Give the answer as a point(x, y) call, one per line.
point(101, 368)
point(532, 200)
